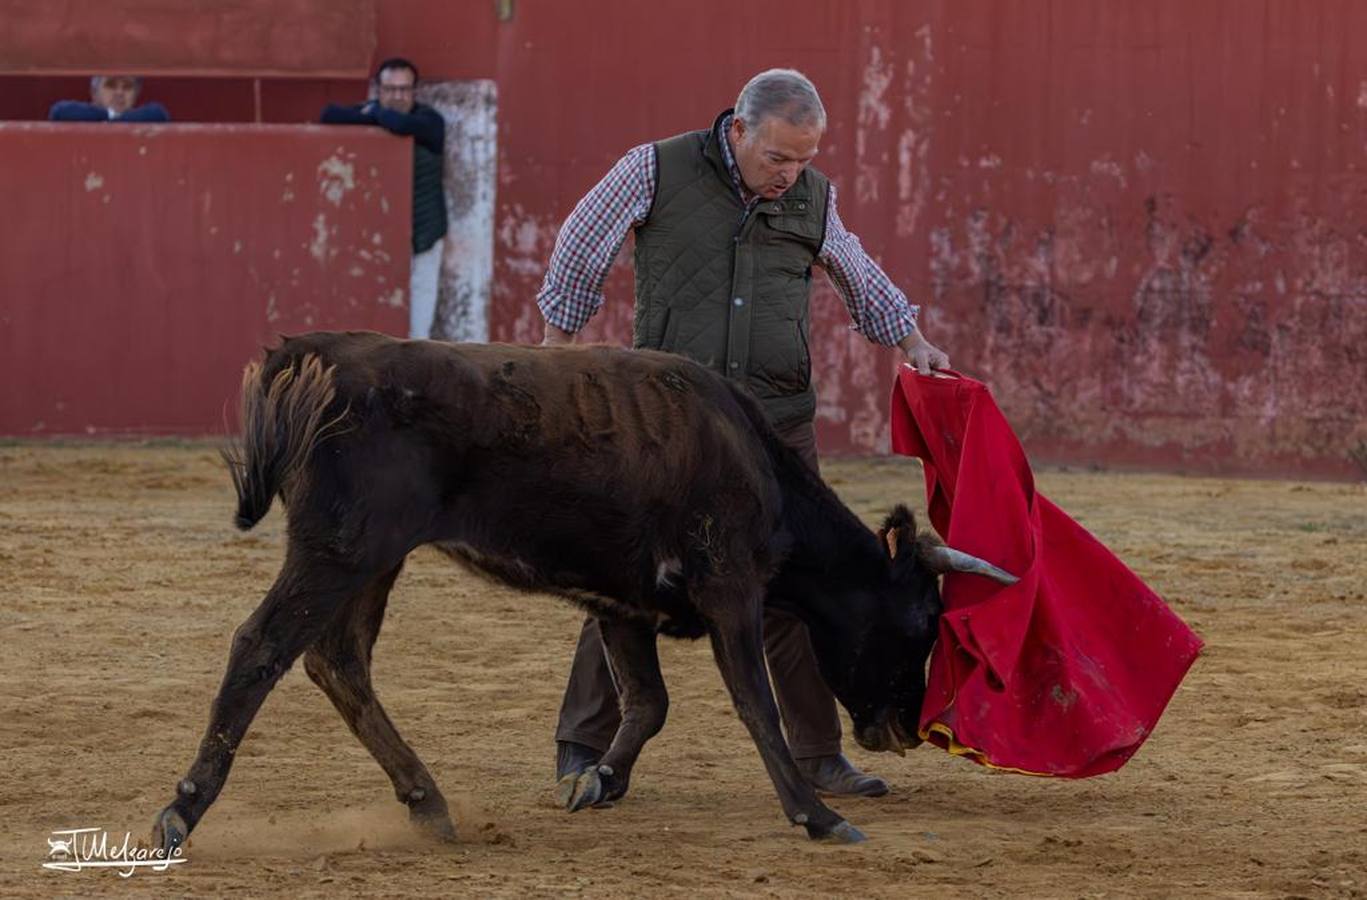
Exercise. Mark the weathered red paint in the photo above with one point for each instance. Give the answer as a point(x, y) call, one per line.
point(310, 38)
point(143, 265)
point(1152, 247)
point(1141, 223)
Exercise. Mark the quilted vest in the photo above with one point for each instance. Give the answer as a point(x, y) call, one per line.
point(726, 287)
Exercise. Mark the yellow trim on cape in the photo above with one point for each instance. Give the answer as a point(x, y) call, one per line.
point(952, 745)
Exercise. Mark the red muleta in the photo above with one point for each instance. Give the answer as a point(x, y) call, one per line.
point(1064, 673)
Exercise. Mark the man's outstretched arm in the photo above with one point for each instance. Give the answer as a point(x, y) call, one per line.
point(426, 126)
point(77, 111)
point(336, 114)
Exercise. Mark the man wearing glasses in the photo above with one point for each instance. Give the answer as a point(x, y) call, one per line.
point(395, 110)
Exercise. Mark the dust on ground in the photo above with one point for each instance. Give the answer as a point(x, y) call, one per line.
point(125, 580)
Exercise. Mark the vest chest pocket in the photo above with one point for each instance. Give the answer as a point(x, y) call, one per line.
point(791, 242)
point(803, 226)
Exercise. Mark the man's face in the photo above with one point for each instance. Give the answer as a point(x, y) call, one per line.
point(773, 155)
point(396, 89)
point(117, 93)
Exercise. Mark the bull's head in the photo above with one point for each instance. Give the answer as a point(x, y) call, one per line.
point(879, 674)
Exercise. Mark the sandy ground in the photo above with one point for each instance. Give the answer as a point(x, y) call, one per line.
point(125, 580)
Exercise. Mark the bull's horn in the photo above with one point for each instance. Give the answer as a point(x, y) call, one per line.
point(895, 742)
point(941, 559)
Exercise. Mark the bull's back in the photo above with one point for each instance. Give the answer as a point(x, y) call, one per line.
point(593, 408)
point(641, 418)
point(587, 467)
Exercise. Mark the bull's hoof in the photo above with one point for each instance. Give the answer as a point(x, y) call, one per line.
point(841, 832)
point(428, 811)
point(169, 831)
point(576, 792)
point(590, 787)
point(438, 828)
point(845, 833)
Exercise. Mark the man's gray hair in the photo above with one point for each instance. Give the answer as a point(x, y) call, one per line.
point(95, 81)
point(786, 93)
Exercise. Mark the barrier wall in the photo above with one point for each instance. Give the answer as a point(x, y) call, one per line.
point(142, 266)
point(1141, 223)
point(198, 37)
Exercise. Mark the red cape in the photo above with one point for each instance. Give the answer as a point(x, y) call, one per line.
point(1064, 673)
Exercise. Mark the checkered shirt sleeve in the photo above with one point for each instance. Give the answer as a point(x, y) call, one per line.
point(591, 237)
point(880, 311)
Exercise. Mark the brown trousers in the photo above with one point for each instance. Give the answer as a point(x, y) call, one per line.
point(589, 714)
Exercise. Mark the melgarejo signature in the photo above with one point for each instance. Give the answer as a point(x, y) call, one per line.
point(74, 849)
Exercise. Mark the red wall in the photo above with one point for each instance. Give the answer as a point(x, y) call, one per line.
point(143, 266)
point(201, 37)
point(1141, 222)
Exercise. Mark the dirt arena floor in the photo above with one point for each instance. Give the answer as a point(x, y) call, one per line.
point(124, 580)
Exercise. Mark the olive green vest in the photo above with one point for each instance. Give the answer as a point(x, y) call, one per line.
point(728, 289)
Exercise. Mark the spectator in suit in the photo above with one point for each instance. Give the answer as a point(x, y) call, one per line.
point(113, 98)
point(395, 109)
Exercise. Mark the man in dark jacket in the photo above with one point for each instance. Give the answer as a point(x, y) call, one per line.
point(113, 99)
point(729, 222)
point(395, 110)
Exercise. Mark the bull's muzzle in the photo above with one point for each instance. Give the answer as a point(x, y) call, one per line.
point(887, 736)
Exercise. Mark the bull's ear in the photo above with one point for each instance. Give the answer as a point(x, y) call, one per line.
point(888, 538)
point(898, 533)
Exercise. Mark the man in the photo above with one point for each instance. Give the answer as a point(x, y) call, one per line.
point(113, 99)
point(395, 109)
point(729, 222)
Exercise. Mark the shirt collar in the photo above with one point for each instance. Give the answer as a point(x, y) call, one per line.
point(724, 139)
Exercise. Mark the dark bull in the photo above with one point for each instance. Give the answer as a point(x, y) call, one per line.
point(586, 472)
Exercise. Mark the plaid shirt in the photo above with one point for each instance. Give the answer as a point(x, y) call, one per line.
point(593, 234)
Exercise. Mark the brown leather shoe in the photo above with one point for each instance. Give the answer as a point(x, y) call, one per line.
point(837, 775)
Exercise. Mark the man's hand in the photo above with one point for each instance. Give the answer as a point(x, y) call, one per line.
point(556, 336)
point(922, 354)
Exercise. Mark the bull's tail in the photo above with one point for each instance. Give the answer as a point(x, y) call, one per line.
point(283, 418)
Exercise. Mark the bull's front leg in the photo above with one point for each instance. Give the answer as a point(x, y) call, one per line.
point(635, 666)
point(737, 643)
point(303, 601)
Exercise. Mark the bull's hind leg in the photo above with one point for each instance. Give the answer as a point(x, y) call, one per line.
point(340, 664)
point(635, 664)
point(738, 645)
point(306, 596)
